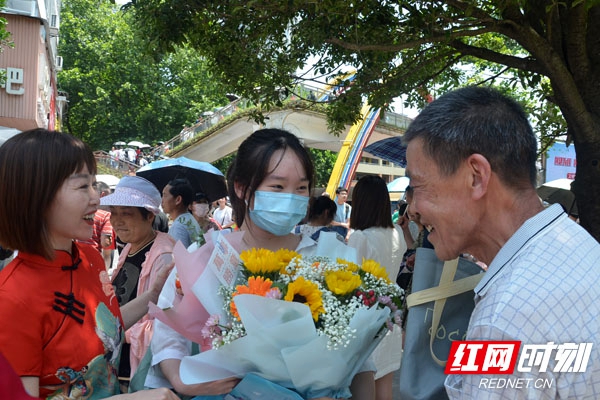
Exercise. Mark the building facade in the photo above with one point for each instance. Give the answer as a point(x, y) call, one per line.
point(29, 96)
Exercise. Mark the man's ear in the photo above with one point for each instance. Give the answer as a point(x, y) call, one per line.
point(480, 172)
point(178, 200)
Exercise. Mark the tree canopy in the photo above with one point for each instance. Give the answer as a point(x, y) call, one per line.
point(548, 50)
point(116, 91)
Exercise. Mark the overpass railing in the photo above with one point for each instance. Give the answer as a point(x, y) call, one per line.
point(209, 119)
point(122, 167)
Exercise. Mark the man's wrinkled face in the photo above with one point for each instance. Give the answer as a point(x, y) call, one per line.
point(441, 202)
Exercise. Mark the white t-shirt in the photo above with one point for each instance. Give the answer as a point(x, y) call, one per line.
point(384, 245)
point(223, 216)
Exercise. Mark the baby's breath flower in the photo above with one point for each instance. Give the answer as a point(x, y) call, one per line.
point(350, 266)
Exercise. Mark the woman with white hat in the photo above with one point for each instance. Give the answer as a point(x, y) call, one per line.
point(133, 206)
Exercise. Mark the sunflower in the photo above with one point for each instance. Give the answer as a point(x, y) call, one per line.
point(306, 292)
point(342, 282)
point(373, 268)
point(350, 266)
point(256, 285)
point(285, 257)
point(260, 261)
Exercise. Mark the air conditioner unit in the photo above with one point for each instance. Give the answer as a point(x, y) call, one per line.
point(59, 63)
point(53, 25)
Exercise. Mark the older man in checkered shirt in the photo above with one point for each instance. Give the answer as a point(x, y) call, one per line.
point(471, 160)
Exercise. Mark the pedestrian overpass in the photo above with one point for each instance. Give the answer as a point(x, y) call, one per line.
point(225, 136)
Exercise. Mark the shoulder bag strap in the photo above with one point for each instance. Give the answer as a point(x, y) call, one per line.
point(446, 288)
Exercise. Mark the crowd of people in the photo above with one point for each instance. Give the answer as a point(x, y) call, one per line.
point(119, 155)
point(471, 162)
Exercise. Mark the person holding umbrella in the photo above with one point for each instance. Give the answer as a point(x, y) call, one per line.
point(200, 209)
point(177, 197)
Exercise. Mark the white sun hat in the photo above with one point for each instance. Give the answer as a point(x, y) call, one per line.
point(134, 191)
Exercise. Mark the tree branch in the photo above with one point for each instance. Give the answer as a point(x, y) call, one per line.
point(438, 38)
point(470, 8)
point(493, 77)
point(523, 64)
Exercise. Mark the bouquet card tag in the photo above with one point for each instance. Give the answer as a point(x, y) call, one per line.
point(224, 261)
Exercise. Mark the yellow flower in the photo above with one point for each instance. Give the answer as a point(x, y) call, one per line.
point(260, 261)
point(342, 282)
point(350, 266)
point(373, 267)
point(306, 292)
point(285, 257)
point(256, 285)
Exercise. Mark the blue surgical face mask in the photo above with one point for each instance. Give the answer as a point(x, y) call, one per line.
point(278, 213)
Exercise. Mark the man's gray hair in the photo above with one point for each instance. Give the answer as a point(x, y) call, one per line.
point(478, 120)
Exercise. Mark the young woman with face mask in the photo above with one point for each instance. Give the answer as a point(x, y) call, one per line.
point(200, 209)
point(270, 181)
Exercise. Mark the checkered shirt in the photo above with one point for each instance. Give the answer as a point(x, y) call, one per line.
point(542, 286)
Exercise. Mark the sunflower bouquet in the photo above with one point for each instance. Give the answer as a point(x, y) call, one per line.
point(333, 292)
point(305, 323)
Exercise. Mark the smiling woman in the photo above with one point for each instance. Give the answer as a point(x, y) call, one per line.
point(133, 206)
point(46, 202)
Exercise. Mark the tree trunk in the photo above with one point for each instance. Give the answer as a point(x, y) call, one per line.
point(587, 185)
point(583, 120)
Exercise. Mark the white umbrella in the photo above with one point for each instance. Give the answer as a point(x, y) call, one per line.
point(119, 143)
point(7, 133)
point(398, 184)
point(110, 180)
point(135, 143)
